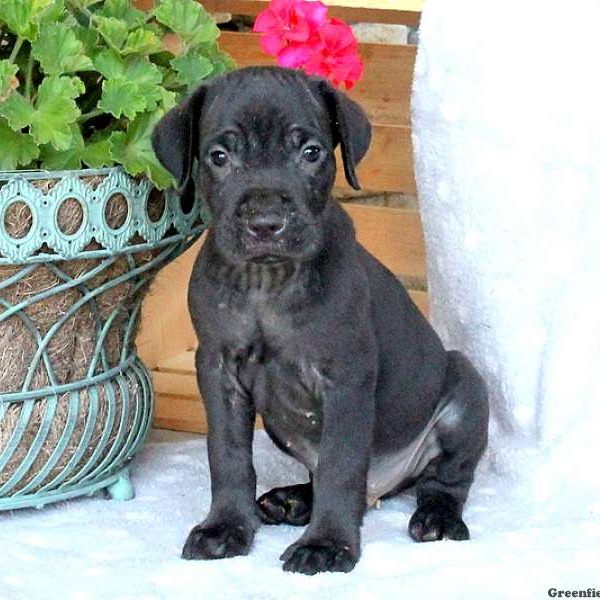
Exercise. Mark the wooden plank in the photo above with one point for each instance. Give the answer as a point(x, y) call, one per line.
point(182, 363)
point(401, 12)
point(388, 165)
point(179, 413)
point(166, 332)
point(177, 384)
point(392, 235)
point(386, 86)
point(384, 91)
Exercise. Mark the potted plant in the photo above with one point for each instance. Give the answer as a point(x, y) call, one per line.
point(84, 227)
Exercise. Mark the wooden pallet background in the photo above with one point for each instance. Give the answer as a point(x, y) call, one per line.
point(166, 341)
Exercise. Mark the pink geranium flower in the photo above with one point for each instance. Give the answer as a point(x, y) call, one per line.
point(290, 30)
point(299, 34)
point(338, 58)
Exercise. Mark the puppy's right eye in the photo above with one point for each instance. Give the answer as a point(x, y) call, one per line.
point(311, 153)
point(219, 158)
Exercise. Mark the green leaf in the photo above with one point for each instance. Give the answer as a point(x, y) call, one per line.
point(54, 12)
point(148, 79)
point(133, 149)
point(56, 110)
point(22, 16)
point(123, 11)
point(70, 158)
point(17, 110)
point(88, 36)
point(109, 63)
point(97, 154)
point(8, 79)
point(188, 19)
point(191, 68)
point(121, 97)
point(169, 99)
point(143, 77)
point(222, 62)
point(59, 51)
point(112, 30)
point(143, 41)
point(141, 70)
point(18, 149)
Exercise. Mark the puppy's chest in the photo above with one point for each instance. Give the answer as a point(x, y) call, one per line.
point(281, 379)
point(286, 381)
point(252, 323)
point(288, 392)
point(268, 355)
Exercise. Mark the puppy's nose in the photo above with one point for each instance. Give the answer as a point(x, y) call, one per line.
point(266, 226)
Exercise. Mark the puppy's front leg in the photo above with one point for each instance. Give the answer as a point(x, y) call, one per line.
point(332, 540)
point(229, 528)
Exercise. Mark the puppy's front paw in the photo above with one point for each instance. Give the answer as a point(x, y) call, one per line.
point(318, 556)
point(436, 519)
point(217, 541)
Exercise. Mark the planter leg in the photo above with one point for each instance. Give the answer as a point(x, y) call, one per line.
point(122, 488)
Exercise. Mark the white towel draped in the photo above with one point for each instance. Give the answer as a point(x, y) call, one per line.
point(506, 117)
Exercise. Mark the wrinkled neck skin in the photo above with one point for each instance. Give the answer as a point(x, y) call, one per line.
point(250, 276)
point(296, 279)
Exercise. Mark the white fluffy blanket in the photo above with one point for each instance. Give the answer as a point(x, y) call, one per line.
point(95, 549)
point(507, 142)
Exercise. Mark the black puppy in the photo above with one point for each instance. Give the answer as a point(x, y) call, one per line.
point(299, 323)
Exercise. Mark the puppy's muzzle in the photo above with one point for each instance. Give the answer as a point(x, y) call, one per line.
point(265, 214)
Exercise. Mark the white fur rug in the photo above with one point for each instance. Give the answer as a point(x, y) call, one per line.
point(507, 147)
point(96, 549)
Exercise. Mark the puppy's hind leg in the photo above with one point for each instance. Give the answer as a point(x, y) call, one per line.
point(462, 433)
point(291, 505)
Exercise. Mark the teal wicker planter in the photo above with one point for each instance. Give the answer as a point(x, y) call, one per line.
point(78, 250)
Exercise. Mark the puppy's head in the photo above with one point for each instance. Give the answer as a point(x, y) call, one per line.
point(257, 145)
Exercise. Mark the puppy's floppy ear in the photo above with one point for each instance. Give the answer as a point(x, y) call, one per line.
point(175, 142)
point(350, 127)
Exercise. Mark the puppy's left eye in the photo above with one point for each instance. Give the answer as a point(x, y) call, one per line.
point(219, 158)
point(311, 153)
